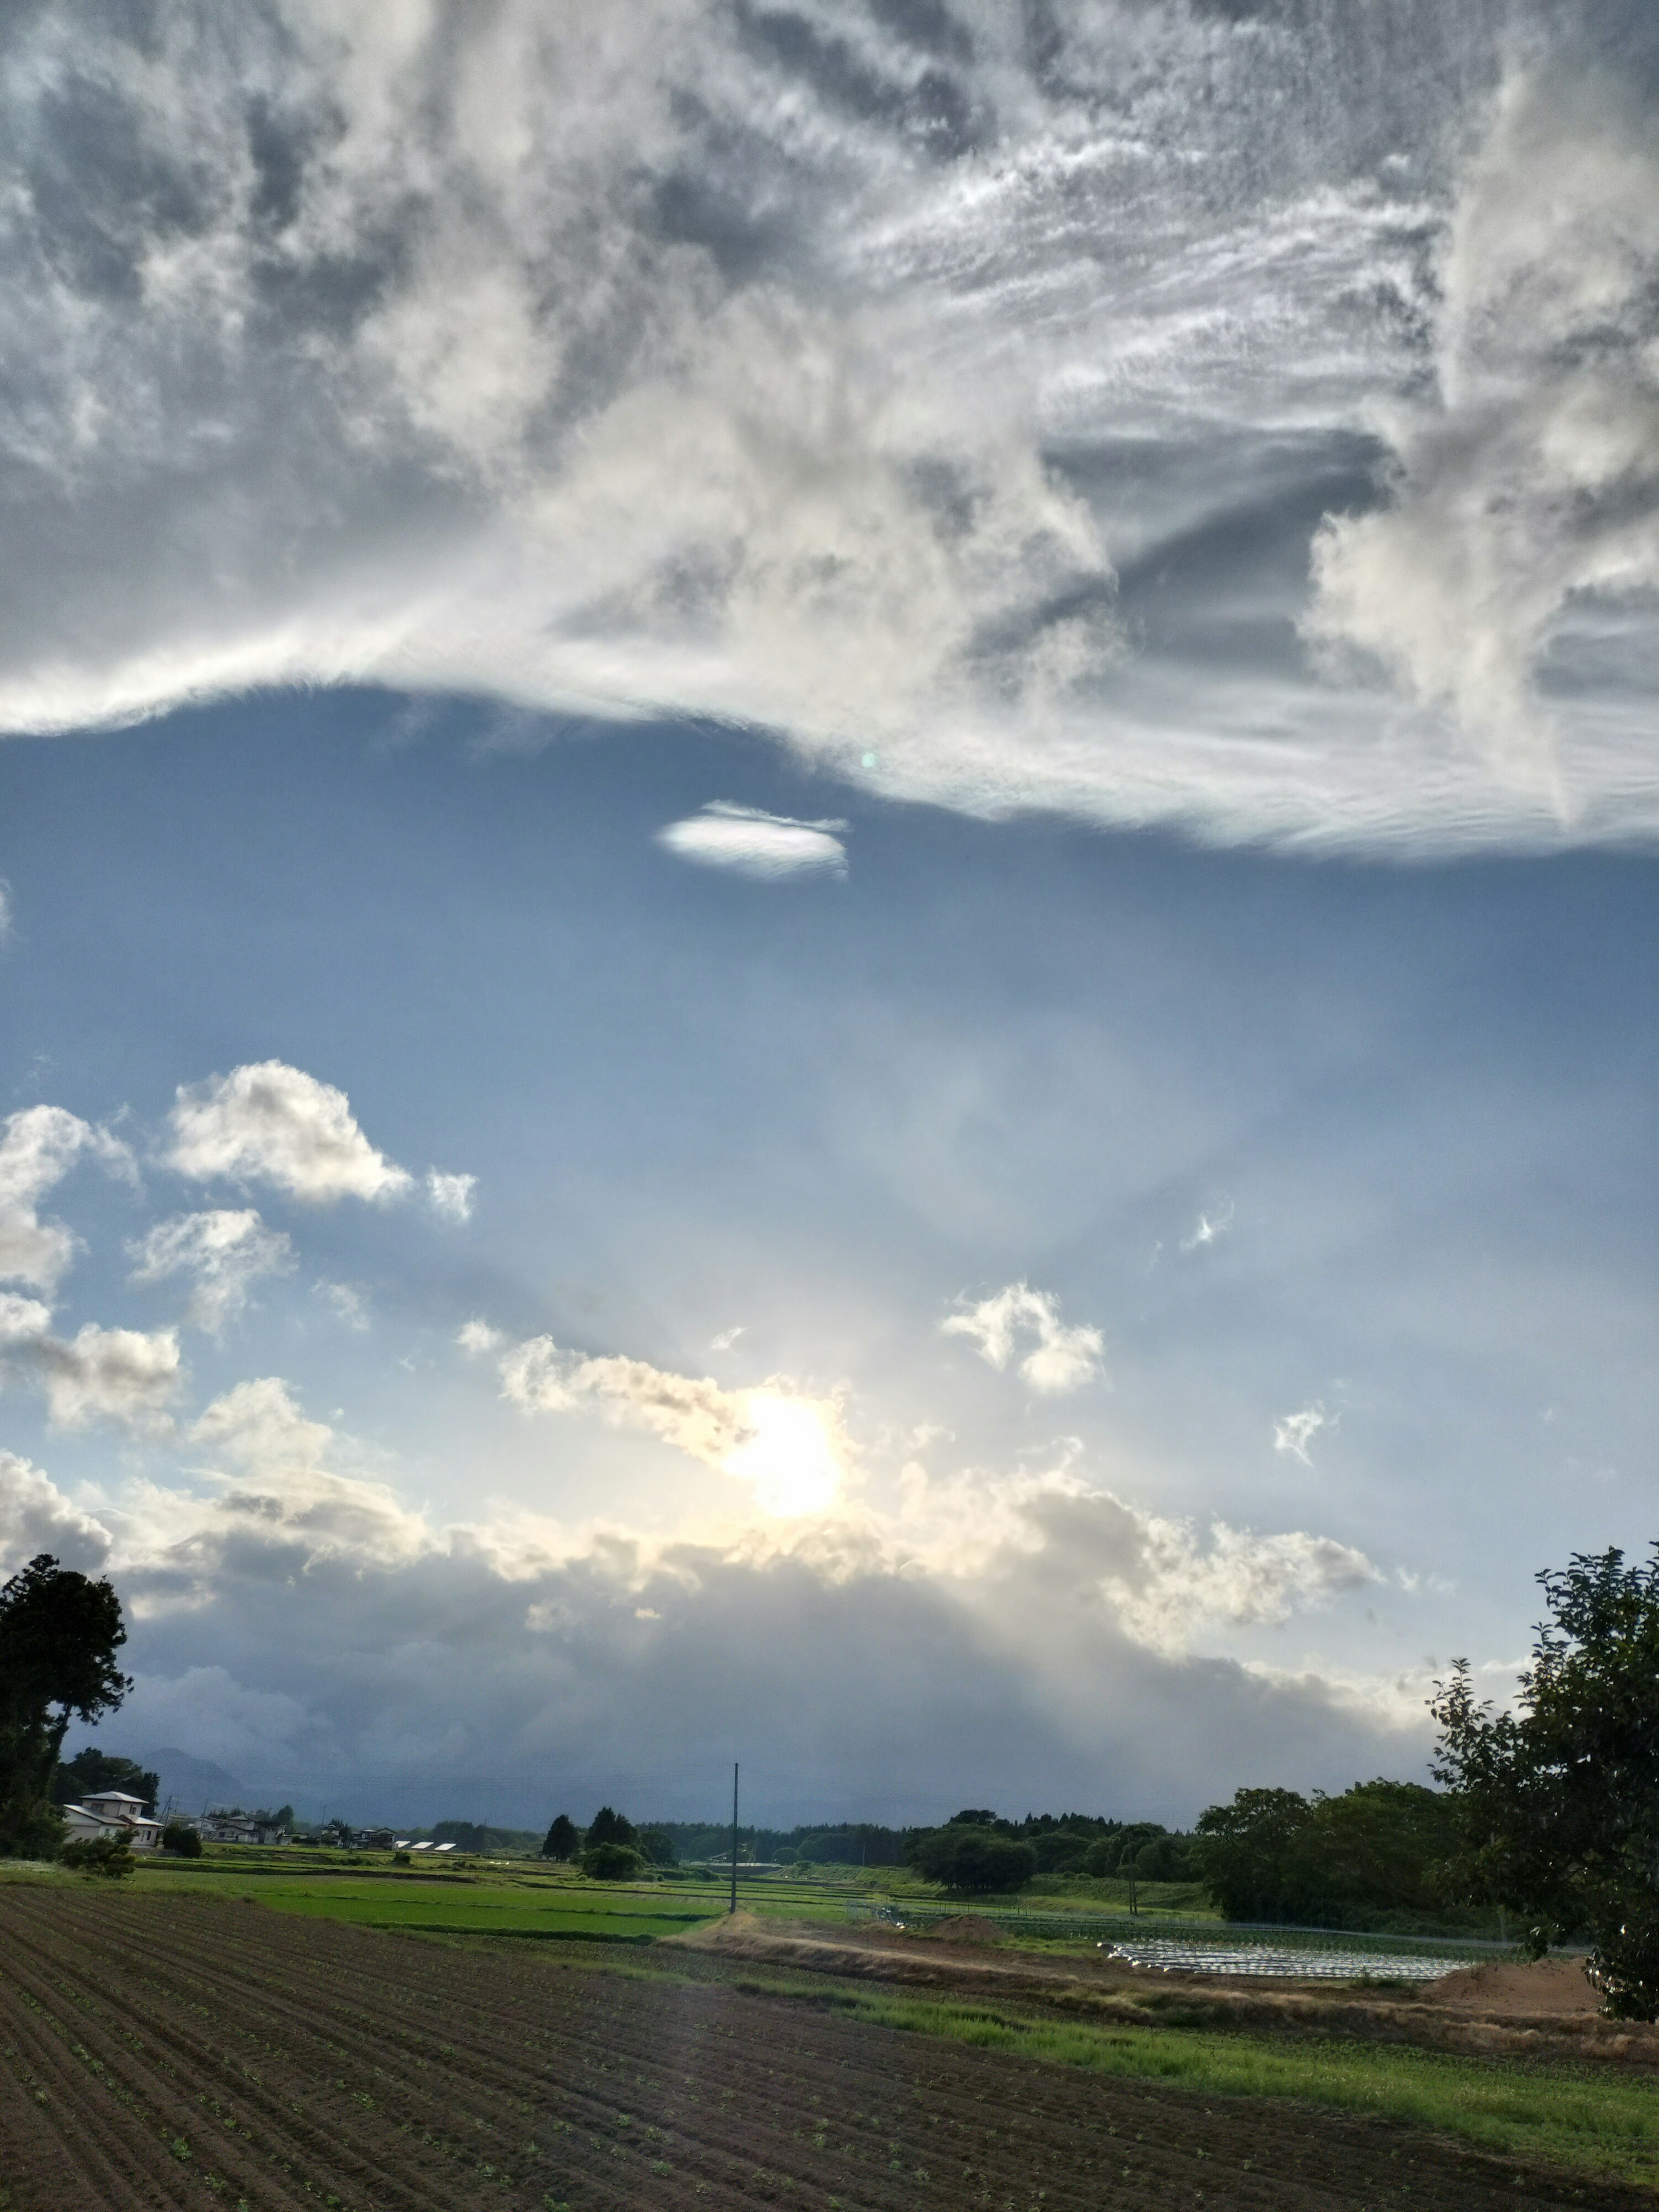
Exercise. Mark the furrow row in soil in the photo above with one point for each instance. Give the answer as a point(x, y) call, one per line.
point(180, 2087)
point(313, 2060)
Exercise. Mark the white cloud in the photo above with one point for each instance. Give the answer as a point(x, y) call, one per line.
point(23, 1320)
point(1295, 1432)
point(281, 1486)
point(477, 1336)
point(36, 1517)
point(769, 847)
point(127, 1376)
point(1532, 480)
point(224, 1250)
point(274, 1123)
point(120, 1375)
point(787, 1445)
point(1210, 1226)
point(37, 1146)
point(1056, 1539)
point(7, 910)
point(449, 1196)
point(726, 1338)
point(349, 1303)
point(626, 362)
point(1061, 1358)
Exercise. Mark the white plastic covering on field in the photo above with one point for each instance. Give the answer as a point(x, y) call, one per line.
point(1268, 1959)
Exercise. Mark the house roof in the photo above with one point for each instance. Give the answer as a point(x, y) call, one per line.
point(113, 1797)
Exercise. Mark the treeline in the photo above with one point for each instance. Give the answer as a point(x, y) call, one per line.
point(1380, 1855)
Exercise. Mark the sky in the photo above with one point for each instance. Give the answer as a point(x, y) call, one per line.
point(829, 858)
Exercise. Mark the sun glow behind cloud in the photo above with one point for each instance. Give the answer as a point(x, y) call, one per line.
point(787, 1457)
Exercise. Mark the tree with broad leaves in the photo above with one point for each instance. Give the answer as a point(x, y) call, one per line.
point(1560, 1798)
point(59, 1633)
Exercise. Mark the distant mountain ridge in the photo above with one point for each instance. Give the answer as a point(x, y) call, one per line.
point(194, 1783)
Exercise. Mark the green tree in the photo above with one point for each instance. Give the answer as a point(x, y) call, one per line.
point(1380, 1848)
point(563, 1839)
point(91, 1772)
point(181, 1839)
point(59, 1633)
point(612, 1863)
point(1251, 1855)
point(1560, 1798)
point(967, 1856)
point(655, 1846)
point(609, 1827)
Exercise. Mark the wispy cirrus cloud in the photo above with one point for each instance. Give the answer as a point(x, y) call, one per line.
point(223, 1251)
point(847, 382)
point(1295, 1432)
point(1531, 477)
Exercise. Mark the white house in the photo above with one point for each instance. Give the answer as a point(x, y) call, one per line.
point(113, 1813)
point(224, 1826)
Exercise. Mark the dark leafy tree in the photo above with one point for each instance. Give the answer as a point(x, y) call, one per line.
point(92, 1771)
point(609, 1827)
point(612, 1863)
point(1561, 1798)
point(181, 1839)
point(59, 1633)
point(1373, 1855)
point(563, 1839)
point(655, 1846)
point(1251, 1855)
point(968, 1857)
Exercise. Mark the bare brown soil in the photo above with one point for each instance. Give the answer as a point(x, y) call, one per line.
point(198, 2053)
point(1497, 2010)
point(1503, 1989)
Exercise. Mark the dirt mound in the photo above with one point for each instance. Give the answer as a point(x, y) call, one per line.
point(1508, 1988)
point(965, 1928)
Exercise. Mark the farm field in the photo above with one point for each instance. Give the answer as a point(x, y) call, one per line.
point(194, 2051)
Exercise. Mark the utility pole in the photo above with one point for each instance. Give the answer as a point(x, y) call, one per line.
point(735, 1835)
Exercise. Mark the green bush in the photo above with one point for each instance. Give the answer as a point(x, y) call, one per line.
point(181, 1839)
point(973, 1859)
point(612, 1863)
point(108, 1856)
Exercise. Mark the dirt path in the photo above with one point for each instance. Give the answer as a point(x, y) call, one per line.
point(197, 2053)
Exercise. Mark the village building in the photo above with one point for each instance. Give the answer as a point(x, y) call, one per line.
point(113, 1813)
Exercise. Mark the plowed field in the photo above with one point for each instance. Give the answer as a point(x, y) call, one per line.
point(200, 2054)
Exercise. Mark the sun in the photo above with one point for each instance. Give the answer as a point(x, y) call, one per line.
point(786, 1456)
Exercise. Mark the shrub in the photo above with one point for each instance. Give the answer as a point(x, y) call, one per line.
point(181, 1839)
point(109, 1856)
point(612, 1863)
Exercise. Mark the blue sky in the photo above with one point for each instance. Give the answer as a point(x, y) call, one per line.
point(837, 948)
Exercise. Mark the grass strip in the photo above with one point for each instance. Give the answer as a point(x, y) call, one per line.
point(1604, 2123)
